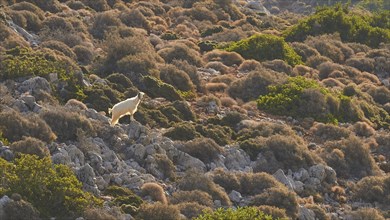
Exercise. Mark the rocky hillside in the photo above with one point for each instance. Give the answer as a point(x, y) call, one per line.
point(265, 109)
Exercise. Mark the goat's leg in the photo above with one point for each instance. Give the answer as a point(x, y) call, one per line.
point(114, 119)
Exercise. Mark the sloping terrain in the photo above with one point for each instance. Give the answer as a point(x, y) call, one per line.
point(279, 107)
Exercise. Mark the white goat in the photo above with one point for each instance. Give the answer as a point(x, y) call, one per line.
point(126, 107)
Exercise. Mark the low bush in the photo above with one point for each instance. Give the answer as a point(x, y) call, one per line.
point(155, 191)
point(254, 84)
point(14, 126)
point(65, 124)
point(97, 214)
point(204, 149)
point(281, 152)
point(83, 54)
point(273, 211)
point(101, 97)
point(192, 209)
point(373, 189)
point(279, 197)
point(178, 78)
point(165, 165)
point(134, 18)
point(239, 213)
point(197, 181)
point(20, 62)
point(158, 211)
point(225, 57)
point(227, 180)
point(352, 27)
point(59, 46)
point(180, 51)
point(330, 132)
point(350, 158)
point(20, 210)
point(182, 131)
point(220, 134)
point(30, 145)
point(263, 47)
point(193, 196)
point(366, 214)
point(157, 88)
point(255, 183)
point(222, 68)
point(104, 23)
point(52, 189)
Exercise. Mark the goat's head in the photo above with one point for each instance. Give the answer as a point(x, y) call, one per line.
point(140, 95)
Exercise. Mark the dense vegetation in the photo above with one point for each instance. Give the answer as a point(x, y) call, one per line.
point(250, 112)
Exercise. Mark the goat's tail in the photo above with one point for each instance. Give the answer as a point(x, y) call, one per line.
point(109, 110)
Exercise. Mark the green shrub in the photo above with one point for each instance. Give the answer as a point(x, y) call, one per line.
point(182, 131)
point(53, 190)
point(14, 126)
point(263, 47)
point(123, 196)
point(351, 26)
point(220, 134)
point(20, 62)
point(101, 97)
point(121, 82)
point(30, 145)
point(157, 88)
point(204, 149)
point(301, 97)
point(239, 213)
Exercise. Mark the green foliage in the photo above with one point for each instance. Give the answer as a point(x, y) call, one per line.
point(3, 139)
point(20, 62)
point(263, 47)
point(157, 88)
point(286, 98)
point(211, 31)
point(207, 45)
point(231, 214)
point(53, 190)
point(182, 131)
point(353, 27)
point(169, 36)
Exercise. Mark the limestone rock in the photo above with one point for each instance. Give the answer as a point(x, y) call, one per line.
point(235, 196)
point(3, 202)
point(281, 177)
point(6, 153)
point(236, 159)
point(35, 85)
point(136, 130)
point(75, 154)
point(306, 214)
